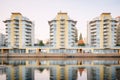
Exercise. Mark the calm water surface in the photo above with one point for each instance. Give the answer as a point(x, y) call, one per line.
point(59, 69)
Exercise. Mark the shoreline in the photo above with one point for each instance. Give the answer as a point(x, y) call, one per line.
point(51, 55)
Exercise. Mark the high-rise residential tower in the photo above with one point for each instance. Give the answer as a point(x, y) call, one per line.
point(63, 33)
point(102, 31)
point(19, 31)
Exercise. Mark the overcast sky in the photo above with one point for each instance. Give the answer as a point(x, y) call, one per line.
point(41, 11)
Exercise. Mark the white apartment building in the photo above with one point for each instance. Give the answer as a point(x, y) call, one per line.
point(63, 33)
point(19, 31)
point(102, 33)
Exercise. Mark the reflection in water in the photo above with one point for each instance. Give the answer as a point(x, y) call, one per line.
point(2, 73)
point(42, 74)
point(59, 69)
point(82, 74)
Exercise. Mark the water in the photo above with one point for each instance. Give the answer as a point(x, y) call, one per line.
point(60, 69)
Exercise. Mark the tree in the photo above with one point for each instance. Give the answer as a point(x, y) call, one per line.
point(80, 37)
point(81, 42)
point(41, 43)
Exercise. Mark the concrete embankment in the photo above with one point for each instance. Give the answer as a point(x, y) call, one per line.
point(51, 55)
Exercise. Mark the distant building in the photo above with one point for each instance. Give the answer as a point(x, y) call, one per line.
point(2, 39)
point(102, 32)
point(118, 31)
point(19, 30)
point(63, 33)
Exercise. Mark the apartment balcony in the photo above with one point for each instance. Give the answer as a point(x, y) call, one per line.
point(6, 31)
point(62, 46)
point(16, 27)
point(62, 30)
point(6, 24)
point(51, 31)
point(106, 34)
point(72, 35)
point(92, 31)
point(93, 28)
point(62, 27)
point(62, 19)
point(28, 32)
point(73, 31)
point(62, 41)
point(93, 43)
point(106, 23)
point(16, 37)
point(114, 20)
point(28, 28)
point(16, 34)
point(28, 25)
point(27, 21)
point(51, 34)
point(106, 27)
point(62, 34)
point(28, 36)
point(16, 44)
point(62, 38)
point(62, 23)
point(93, 24)
point(16, 23)
point(106, 30)
point(51, 37)
point(51, 27)
point(52, 40)
point(105, 42)
point(28, 40)
point(106, 46)
point(93, 34)
point(73, 24)
point(6, 21)
point(16, 31)
point(93, 40)
point(16, 19)
point(106, 20)
point(106, 37)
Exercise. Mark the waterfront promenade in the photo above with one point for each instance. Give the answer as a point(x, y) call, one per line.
point(62, 55)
